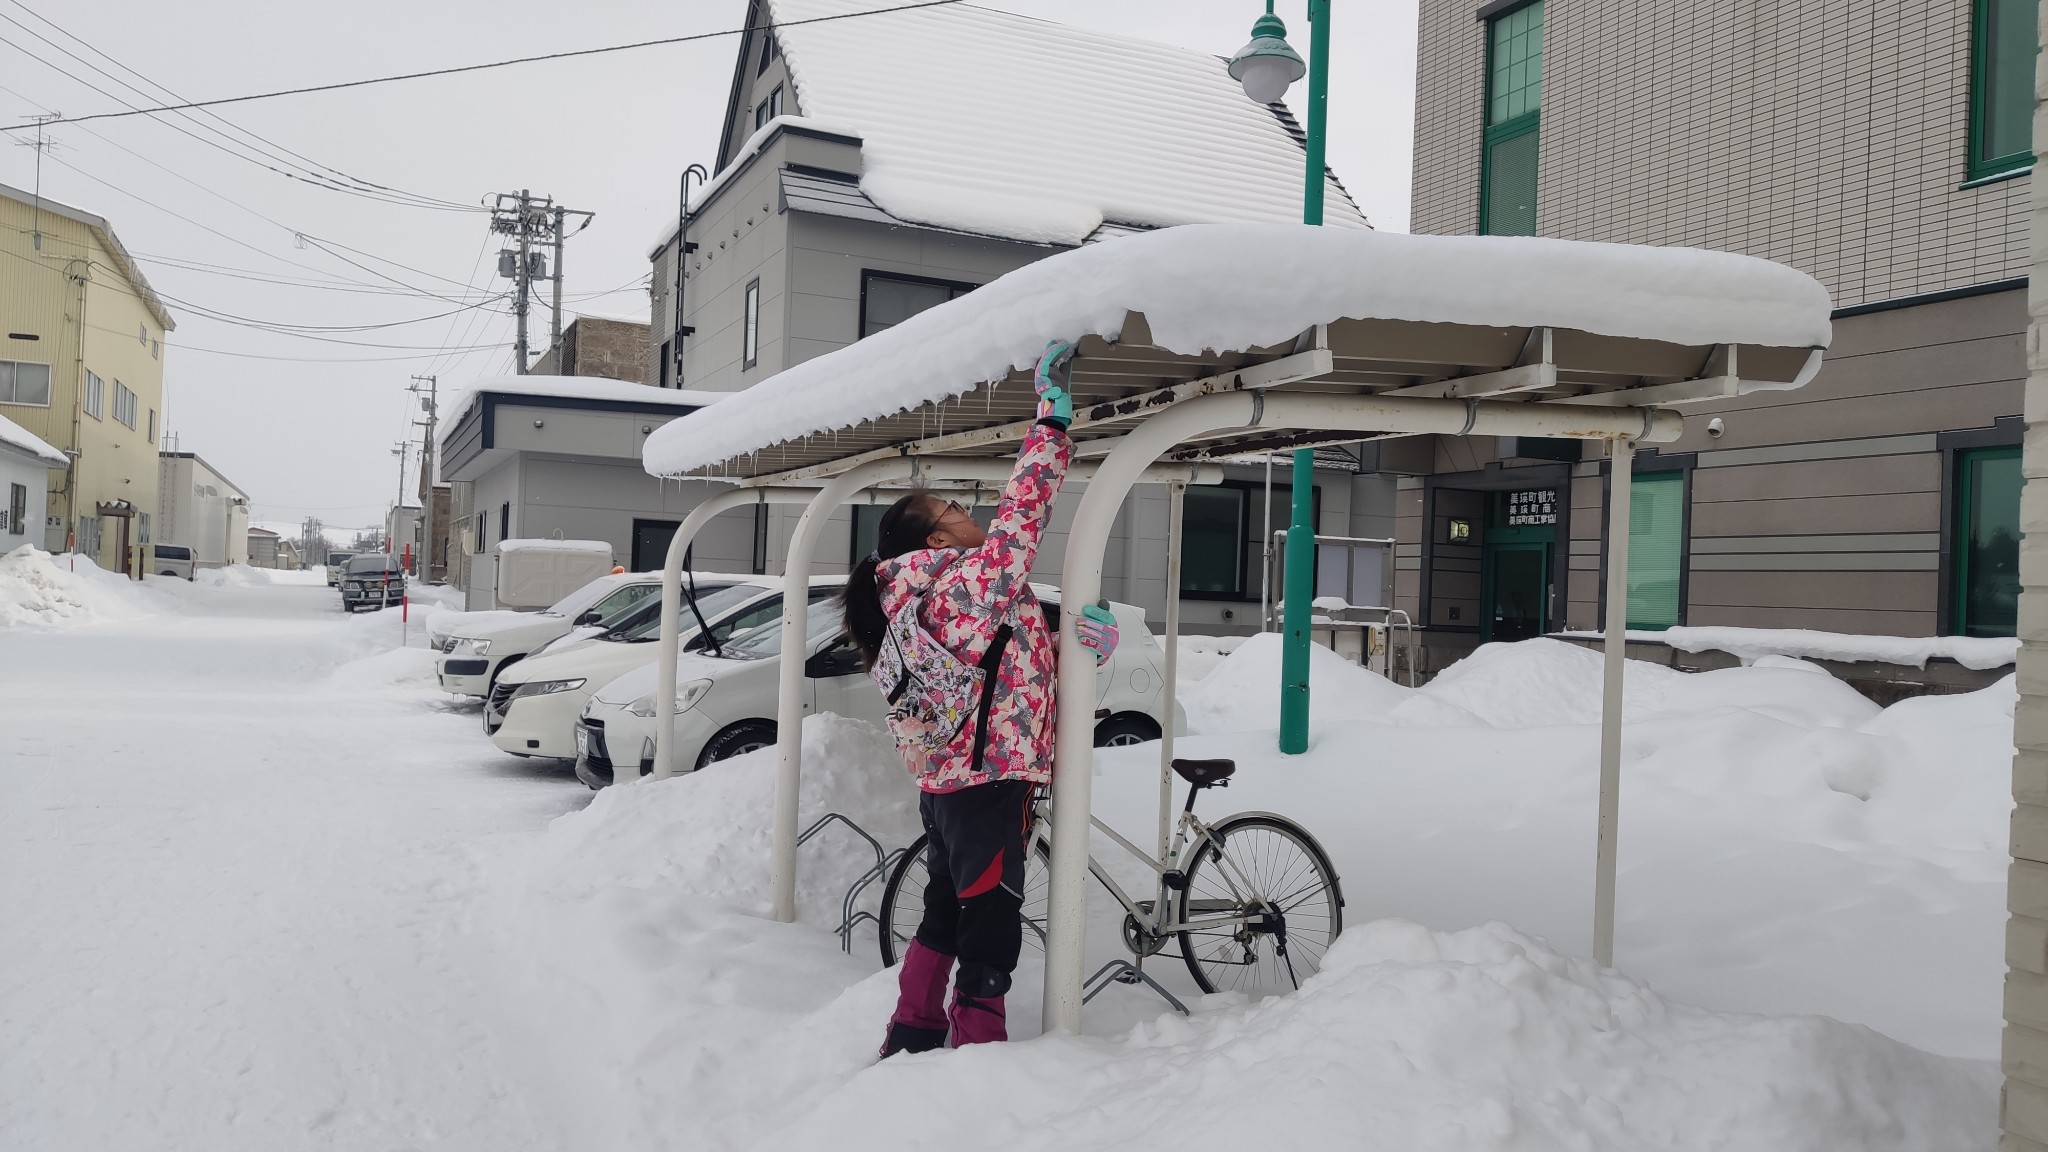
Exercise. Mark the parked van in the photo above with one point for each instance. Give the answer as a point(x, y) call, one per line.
point(336, 563)
point(173, 560)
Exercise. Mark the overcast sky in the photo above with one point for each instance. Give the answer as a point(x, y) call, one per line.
point(307, 426)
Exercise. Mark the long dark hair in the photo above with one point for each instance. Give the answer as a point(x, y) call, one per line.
point(905, 527)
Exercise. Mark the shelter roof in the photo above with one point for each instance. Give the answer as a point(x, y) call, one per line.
point(1229, 306)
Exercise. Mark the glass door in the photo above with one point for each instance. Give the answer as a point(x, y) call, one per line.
point(1987, 542)
point(1515, 592)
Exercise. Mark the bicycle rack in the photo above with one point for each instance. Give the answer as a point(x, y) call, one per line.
point(849, 915)
point(1125, 972)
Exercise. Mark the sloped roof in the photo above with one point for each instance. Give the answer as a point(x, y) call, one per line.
point(27, 443)
point(1003, 125)
point(124, 263)
point(568, 388)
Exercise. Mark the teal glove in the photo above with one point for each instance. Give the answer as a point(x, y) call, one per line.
point(1097, 631)
point(1054, 382)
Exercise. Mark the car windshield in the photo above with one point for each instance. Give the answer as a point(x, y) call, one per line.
point(581, 600)
point(173, 552)
point(644, 621)
point(822, 620)
point(371, 562)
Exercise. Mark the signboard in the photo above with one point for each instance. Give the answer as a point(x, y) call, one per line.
point(1530, 507)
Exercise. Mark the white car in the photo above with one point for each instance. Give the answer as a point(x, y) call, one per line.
point(727, 706)
point(532, 710)
point(479, 645)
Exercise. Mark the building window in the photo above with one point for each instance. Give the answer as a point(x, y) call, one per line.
point(2002, 88)
point(152, 425)
point(1212, 543)
point(24, 383)
point(124, 404)
point(768, 109)
point(95, 396)
point(156, 349)
point(1514, 104)
point(667, 367)
point(760, 559)
point(751, 354)
point(886, 300)
point(505, 521)
point(770, 52)
point(1987, 542)
point(483, 540)
point(1656, 549)
point(17, 510)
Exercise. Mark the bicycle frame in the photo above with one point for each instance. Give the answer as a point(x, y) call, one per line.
point(1159, 920)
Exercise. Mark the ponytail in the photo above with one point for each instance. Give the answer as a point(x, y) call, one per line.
point(904, 528)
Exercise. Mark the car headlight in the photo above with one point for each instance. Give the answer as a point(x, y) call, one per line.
point(545, 688)
point(476, 647)
point(686, 698)
point(437, 642)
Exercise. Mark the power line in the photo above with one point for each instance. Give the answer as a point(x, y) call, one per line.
point(481, 67)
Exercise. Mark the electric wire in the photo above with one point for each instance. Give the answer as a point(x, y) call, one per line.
point(464, 68)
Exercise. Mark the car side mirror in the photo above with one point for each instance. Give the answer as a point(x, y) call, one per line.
point(590, 617)
point(833, 662)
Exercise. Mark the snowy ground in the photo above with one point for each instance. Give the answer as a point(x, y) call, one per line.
point(284, 895)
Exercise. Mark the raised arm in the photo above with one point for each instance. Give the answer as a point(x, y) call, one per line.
point(995, 573)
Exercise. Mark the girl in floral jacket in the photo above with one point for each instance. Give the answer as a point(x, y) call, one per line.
point(973, 593)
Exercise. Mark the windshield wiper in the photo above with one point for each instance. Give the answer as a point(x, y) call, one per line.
point(703, 629)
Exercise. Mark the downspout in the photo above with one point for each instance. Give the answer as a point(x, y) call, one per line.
point(83, 277)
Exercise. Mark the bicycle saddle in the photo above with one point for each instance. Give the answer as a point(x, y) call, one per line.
point(1205, 773)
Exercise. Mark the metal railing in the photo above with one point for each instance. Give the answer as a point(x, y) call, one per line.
point(1392, 622)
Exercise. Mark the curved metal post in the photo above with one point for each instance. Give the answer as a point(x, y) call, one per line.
point(789, 700)
point(1074, 753)
point(1620, 486)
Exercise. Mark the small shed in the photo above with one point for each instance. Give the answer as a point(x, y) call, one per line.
point(1208, 342)
point(25, 463)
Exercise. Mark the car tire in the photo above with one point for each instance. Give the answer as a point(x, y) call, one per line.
point(746, 736)
point(1125, 729)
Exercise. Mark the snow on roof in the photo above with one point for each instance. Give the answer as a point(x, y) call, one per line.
point(990, 122)
point(539, 545)
point(15, 436)
point(754, 143)
point(1221, 287)
point(570, 388)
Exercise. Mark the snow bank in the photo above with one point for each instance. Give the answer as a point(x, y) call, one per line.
point(1226, 286)
point(1140, 129)
point(1243, 692)
point(246, 576)
point(37, 588)
point(1749, 644)
point(1477, 1040)
point(399, 668)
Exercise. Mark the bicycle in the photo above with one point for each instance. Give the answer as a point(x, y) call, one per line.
point(1254, 910)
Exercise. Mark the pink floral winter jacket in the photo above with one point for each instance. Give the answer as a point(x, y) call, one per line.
point(969, 596)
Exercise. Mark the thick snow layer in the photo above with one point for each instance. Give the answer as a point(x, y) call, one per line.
point(37, 588)
point(567, 388)
point(1979, 652)
point(1045, 131)
point(1241, 693)
point(16, 436)
point(246, 576)
point(1234, 286)
point(540, 544)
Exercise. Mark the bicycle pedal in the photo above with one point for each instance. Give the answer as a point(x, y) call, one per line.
point(1127, 976)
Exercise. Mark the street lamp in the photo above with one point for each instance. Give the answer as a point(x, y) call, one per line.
point(1267, 67)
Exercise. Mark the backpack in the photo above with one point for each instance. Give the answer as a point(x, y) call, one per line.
point(931, 693)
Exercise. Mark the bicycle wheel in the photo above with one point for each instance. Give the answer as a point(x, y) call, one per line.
point(903, 902)
point(1274, 866)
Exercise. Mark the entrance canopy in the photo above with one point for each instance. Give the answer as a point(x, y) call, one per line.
point(1166, 316)
point(1208, 341)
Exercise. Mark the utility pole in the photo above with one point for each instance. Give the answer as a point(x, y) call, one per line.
point(428, 454)
point(555, 313)
point(532, 221)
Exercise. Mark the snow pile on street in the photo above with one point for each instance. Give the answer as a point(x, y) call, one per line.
point(1243, 693)
point(406, 669)
point(1137, 130)
point(1206, 287)
point(663, 1006)
point(1199, 655)
point(247, 576)
point(38, 588)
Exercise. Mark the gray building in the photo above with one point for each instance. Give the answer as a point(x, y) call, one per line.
point(1882, 149)
point(800, 245)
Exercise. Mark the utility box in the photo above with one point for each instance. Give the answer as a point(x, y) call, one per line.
point(532, 574)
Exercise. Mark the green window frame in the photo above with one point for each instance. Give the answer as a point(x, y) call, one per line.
point(1985, 546)
point(1656, 549)
point(1514, 122)
point(2003, 44)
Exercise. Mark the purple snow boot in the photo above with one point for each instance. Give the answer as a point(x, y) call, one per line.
point(978, 1020)
point(919, 1022)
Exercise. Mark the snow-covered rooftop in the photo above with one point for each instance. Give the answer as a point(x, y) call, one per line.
point(1203, 292)
point(570, 388)
point(15, 436)
point(990, 122)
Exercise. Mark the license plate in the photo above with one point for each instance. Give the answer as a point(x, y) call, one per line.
point(582, 742)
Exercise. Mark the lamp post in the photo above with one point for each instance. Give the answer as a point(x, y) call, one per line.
point(1267, 67)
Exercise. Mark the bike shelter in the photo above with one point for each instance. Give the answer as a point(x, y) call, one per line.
point(1204, 343)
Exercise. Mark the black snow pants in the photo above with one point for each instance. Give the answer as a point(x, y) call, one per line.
point(976, 893)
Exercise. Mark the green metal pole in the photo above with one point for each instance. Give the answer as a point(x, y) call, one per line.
point(1301, 529)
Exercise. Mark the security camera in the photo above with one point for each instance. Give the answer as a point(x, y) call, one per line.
point(1715, 427)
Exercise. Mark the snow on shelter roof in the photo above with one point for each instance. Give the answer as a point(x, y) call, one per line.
point(1004, 125)
point(1637, 325)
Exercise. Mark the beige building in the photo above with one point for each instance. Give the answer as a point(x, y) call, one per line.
point(1881, 148)
point(82, 367)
